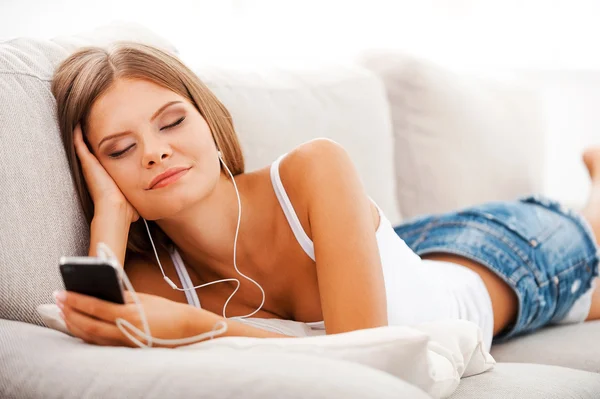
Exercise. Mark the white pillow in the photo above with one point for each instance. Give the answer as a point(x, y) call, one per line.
point(433, 356)
point(461, 138)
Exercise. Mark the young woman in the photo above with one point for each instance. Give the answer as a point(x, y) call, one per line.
point(155, 159)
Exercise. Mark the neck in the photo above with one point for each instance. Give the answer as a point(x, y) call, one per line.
point(204, 233)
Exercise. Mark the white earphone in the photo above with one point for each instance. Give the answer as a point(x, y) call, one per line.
point(220, 327)
point(104, 251)
point(174, 286)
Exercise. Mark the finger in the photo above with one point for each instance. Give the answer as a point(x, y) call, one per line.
point(128, 296)
point(98, 308)
point(80, 146)
point(91, 329)
point(77, 333)
point(77, 137)
point(87, 338)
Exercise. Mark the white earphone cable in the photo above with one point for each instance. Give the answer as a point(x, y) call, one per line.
point(106, 252)
point(170, 282)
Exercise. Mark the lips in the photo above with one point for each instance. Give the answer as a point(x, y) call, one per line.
point(166, 175)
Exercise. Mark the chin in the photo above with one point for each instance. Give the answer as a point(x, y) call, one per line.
point(171, 203)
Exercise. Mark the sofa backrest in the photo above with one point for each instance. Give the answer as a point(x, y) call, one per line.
point(461, 137)
point(275, 110)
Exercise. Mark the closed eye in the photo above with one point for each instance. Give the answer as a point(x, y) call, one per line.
point(174, 124)
point(120, 153)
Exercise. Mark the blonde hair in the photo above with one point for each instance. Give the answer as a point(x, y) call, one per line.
point(89, 72)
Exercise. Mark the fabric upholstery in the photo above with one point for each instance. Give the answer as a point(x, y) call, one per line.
point(531, 381)
point(460, 139)
point(575, 345)
point(46, 363)
point(37, 362)
point(275, 110)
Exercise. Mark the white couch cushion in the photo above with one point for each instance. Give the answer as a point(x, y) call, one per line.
point(574, 345)
point(431, 356)
point(530, 381)
point(275, 110)
point(460, 139)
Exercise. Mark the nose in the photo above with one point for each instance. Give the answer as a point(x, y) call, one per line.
point(155, 150)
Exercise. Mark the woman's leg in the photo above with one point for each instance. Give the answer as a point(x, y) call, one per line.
point(591, 213)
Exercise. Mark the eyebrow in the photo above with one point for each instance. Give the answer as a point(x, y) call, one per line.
point(158, 111)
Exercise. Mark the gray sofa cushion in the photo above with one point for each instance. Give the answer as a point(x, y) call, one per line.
point(531, 381)
point(575, 345)
point(37, 362)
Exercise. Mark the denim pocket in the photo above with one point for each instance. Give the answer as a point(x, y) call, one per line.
point(532, 223)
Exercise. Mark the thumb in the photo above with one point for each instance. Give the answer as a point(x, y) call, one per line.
point(128, 296)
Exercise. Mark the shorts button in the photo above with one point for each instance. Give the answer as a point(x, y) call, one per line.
point(555, 279)
point(533, 243)
point(575, 286)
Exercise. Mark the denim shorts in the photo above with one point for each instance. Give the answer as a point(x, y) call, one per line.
point(546, 253)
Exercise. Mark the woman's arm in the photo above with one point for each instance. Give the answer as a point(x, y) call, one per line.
point(110, 225)
point(201, 321)
point(96, 321)
point(349, 271)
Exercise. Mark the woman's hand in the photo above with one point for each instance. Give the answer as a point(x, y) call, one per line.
point(93, 320)
point(102, 187)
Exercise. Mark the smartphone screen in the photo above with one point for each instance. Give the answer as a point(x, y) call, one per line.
point(92, 276)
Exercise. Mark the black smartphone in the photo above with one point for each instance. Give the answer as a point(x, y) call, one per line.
point(92, 276)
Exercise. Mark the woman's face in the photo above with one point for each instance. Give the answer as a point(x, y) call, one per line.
point(137, 130)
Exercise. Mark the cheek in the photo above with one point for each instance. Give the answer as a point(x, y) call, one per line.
point(129, 183)
point(199, 132)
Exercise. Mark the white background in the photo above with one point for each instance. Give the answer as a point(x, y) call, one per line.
point(558, 40)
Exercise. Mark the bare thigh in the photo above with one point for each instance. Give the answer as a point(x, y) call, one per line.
point(504, 300)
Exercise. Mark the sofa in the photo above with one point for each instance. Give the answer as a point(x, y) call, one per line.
point(424, 139)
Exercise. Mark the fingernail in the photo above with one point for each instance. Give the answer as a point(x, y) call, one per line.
point(59, 296)
point(61, 314)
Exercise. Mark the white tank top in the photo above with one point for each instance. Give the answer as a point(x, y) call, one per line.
point(417, 290)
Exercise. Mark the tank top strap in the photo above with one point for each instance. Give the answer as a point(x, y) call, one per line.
point(301, 236)
point(184, 277)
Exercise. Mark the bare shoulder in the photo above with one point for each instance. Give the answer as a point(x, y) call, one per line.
point(310, 169)
point(313, 159)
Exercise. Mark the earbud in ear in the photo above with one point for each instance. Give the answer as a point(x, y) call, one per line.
point(220, 154)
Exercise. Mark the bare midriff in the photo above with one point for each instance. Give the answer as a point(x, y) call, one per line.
point(504, 300)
